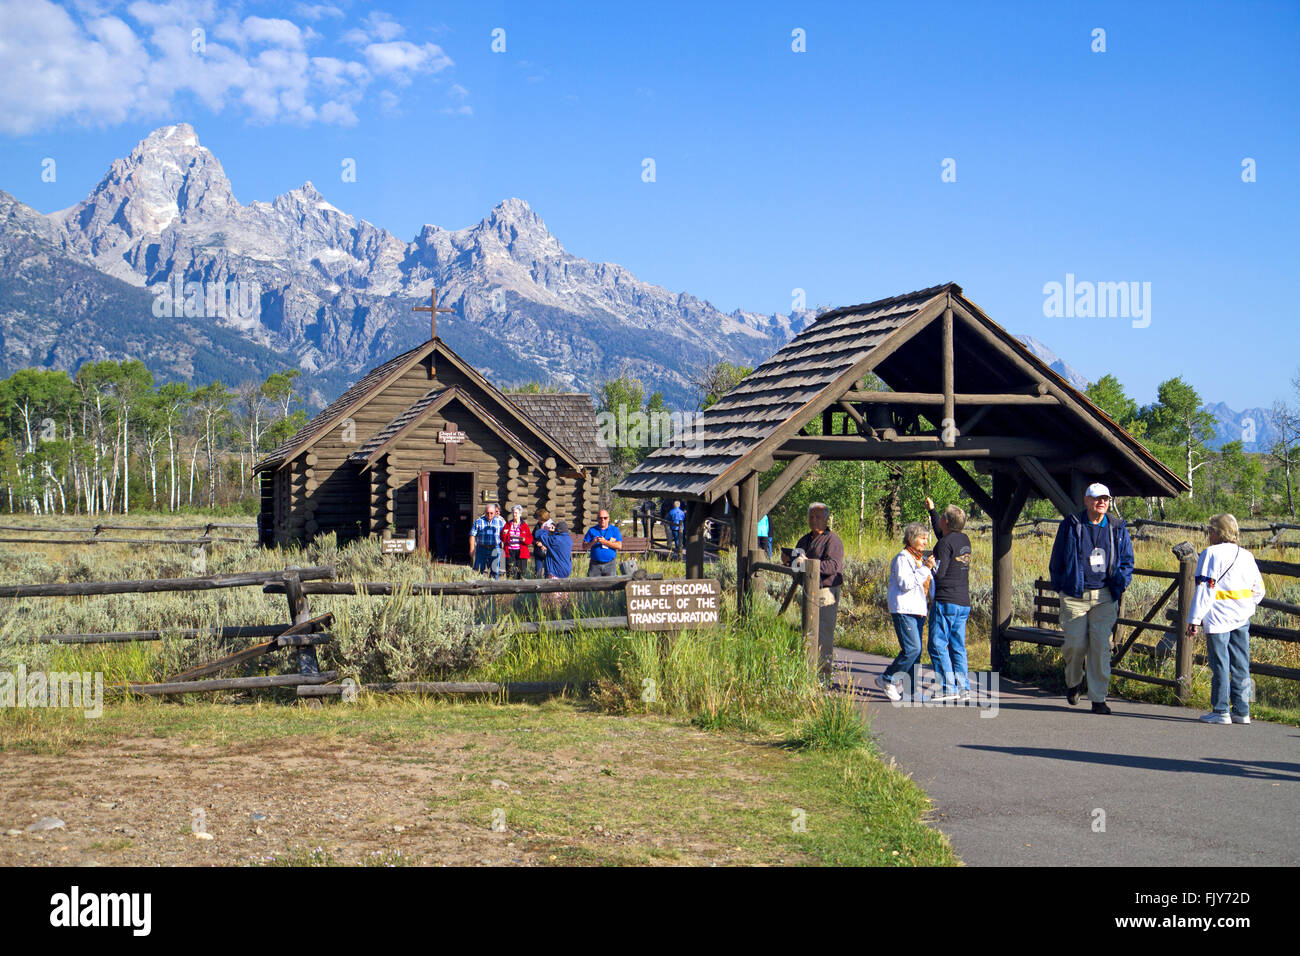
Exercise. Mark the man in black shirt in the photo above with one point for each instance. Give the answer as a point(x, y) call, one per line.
point(951, 605)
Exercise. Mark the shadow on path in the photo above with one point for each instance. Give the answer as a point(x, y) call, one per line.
point(1217, 766)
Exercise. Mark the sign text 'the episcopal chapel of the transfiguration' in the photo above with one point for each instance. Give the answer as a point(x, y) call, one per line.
point(672, 605)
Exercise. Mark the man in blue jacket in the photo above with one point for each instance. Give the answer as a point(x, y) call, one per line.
point(555, 537)
point(1091, 566)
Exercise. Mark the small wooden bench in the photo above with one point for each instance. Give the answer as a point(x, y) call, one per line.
point(630, 546)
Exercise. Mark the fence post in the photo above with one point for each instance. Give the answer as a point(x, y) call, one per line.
point(299, 613)
point(812, 582)
point(1186, 555)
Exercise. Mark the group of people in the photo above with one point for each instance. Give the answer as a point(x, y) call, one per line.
point(499, 547)
point(1091, 566)
point(674, 519)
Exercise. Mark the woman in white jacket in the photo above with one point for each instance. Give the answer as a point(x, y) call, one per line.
point(910, 588)
point(1228, 589)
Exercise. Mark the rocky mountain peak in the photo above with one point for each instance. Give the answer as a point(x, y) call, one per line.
point(168, 178)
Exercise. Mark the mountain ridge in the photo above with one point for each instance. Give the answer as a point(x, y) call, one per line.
point(335, 293)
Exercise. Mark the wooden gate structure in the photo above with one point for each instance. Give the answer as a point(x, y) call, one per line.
point(962, 389)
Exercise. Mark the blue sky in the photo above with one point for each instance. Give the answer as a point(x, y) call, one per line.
point(775, 170)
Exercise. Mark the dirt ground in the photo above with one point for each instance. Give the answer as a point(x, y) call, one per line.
point(632, 792)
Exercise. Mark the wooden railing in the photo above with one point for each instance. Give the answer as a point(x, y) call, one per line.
point(1175, 601)
point(305, 632)
point(820, 649)
point(94, 534)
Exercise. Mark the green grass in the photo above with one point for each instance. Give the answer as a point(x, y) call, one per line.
point(584, 787)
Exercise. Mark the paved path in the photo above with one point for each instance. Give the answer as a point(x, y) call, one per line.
point(1021, 785)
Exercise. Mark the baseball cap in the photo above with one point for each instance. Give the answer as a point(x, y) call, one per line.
point(1097, 490)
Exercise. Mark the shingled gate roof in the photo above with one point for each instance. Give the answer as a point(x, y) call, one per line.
point(569, 417)
point(897, 339)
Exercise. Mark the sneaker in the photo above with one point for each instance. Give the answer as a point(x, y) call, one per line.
point(889, 687)
point(1241, 718)
point(1099, 707)
point(1215, 718)
point(945, 695)
point(964, 694)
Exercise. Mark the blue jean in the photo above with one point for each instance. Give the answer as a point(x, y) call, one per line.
point(677, 537)
point(908, 627)
point(489, 559)
point(1229, 654)
point(948, 645)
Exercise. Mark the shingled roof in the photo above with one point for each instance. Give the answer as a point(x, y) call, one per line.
point(571, 418)
point(892, 337)
point(336, 409)
point(772, 393)
point(426, 405)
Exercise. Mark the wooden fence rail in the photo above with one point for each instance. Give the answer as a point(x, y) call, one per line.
point(305, 632)
point(1047, 612)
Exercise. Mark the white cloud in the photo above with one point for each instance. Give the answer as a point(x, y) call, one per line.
point(101, 63)
point(276, 32)
point(402, 58)
point(316, 11)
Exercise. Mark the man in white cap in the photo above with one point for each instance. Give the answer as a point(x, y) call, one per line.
point(1091, 566)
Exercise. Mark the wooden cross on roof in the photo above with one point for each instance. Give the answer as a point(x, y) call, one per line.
point(433, 309)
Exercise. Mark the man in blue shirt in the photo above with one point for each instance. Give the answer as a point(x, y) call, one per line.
point(606, 541)
point(676, 519)
point(1091, 566)
point(558, 558)
point(485, 541)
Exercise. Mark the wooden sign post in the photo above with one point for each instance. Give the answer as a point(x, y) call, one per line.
point(672, 605)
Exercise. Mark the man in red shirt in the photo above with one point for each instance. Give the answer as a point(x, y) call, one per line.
point(516, 539)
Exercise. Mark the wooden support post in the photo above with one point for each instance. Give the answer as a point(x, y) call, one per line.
point(746, 539)
point(299, 612)
point(1078, 484)
point(1186, 589)
point(812, 582)
point(696, 512)
point(1008, 499)
point(948, 425)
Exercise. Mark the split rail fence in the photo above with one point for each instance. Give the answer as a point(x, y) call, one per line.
point(95, 534)
point(1176, 602)
point(305, 631)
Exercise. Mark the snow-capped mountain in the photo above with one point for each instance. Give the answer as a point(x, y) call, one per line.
point(333, 295)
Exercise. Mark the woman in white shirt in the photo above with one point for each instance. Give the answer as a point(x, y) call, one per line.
point(1228, 589)
point(910, 587)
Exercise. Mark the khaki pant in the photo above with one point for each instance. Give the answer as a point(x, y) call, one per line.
point(1088, 622)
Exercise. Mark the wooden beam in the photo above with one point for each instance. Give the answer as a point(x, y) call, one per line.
point(156, 585)
point(1048, 485)
point(918, 448)
point(1129, 453)
point(771, 496)
point(949, 416)
point(856, 415)
point(938, 398)
point(968, 484)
